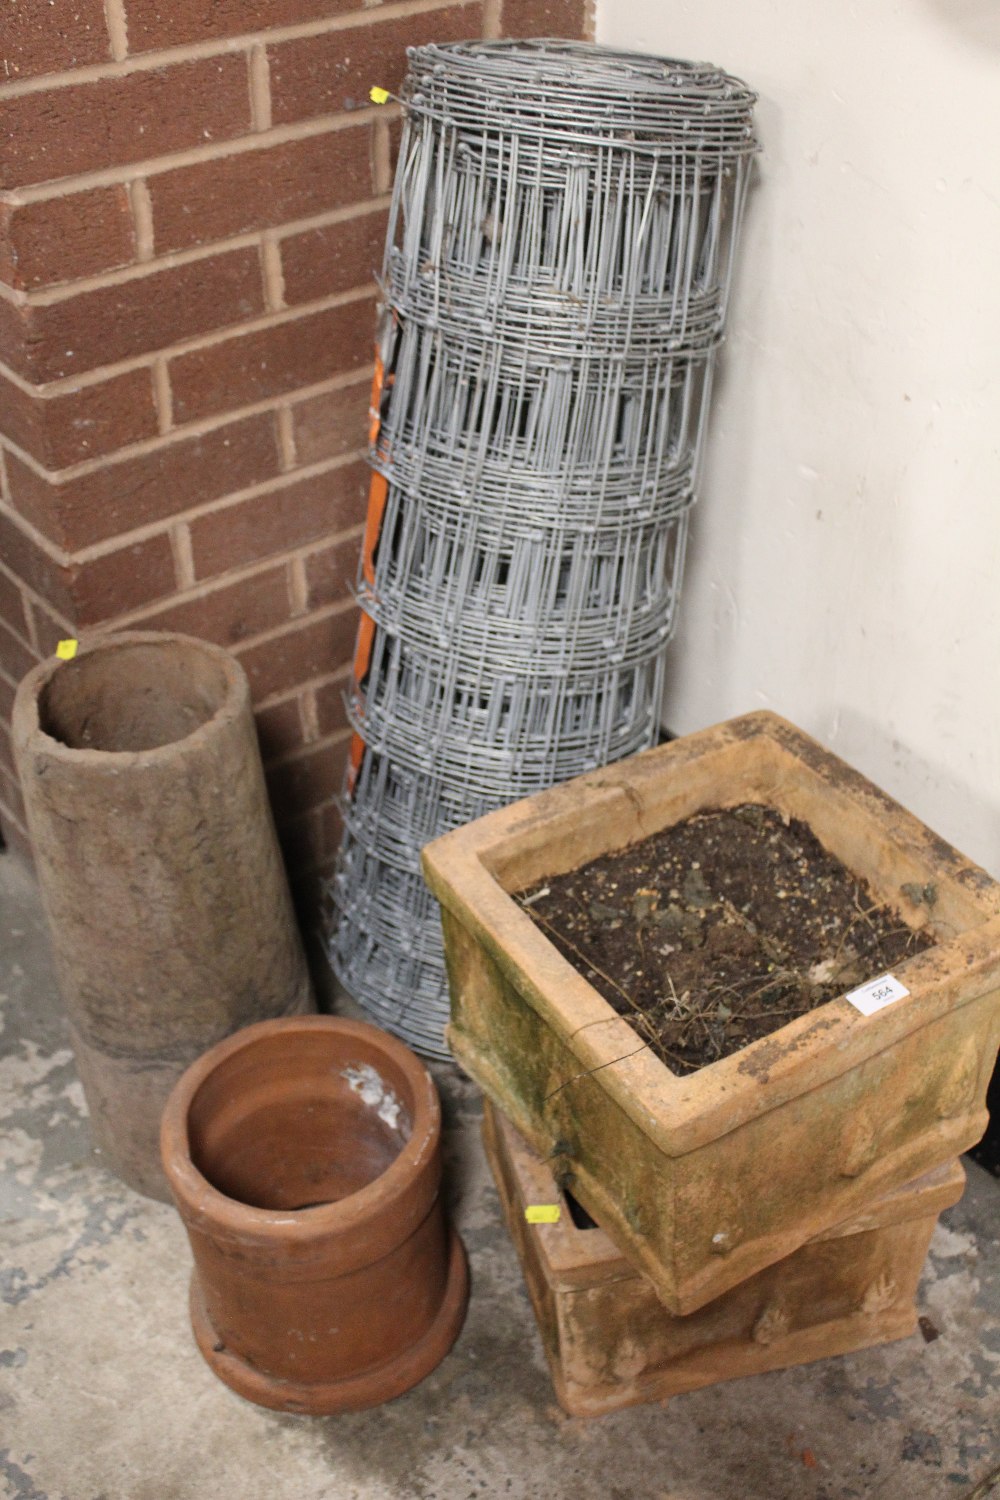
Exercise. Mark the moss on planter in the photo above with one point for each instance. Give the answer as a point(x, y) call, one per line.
point(703, 1181)
point(610, 1343)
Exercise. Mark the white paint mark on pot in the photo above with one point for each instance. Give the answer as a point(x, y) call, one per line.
point(376, 1093)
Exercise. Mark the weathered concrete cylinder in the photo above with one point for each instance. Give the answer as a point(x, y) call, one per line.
point(160, 872)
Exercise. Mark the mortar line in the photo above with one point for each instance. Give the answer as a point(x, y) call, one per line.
point(141, 204)
point(47, 296)
point(492, 20)
point(163, 397)
point(342, 674)
point(180, 546)
point(290, 627)
point(328, 742)
point(260, 87)
point(298, 587)
point(114, 14)
point(381, 158)
point(309, 718)
point(123, 275)
point(21, 639)
point(200, 428)
point(154, 166)
point(37, 599)
point(165, 57)
point(261, 324)
point(193, 513)
point(155, 528)
point(29, 616)
point(272, 272)
point(285, 425)
point(216, 582)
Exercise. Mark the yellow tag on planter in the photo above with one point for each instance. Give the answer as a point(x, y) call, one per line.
point(378, 96)
point(542, 1213)
point(66, 650)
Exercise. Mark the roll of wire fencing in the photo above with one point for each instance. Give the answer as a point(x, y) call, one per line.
point(556, 279)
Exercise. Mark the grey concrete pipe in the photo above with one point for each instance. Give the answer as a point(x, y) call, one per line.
point(160, 872)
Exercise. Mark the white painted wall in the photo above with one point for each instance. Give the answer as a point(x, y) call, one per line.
point(845, 559)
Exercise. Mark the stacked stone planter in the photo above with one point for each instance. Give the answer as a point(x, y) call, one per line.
point(706, 1182)
point(610, 1342)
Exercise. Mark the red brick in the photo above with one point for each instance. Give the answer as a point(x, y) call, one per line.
point(167, 23)
point(333, 423)
point(113, 121)
point(261, 189)
point(309, 648)
point(308, 779)
point(331, 572)
point(322, 75)
point(34, 565)
point(15, 328)
point(279, 729)
point(322, 262)
point(51, 39)
point(264, 525)
point(35, 499)
point(13, 610)
point(231, 613)
point(48, 630)
point(61, 239)
point(95, 590)
point(544, 18)
point(331, 711)
point(71, 426)
point(124, 580)
point(136, 317)
point(16, 657)
point(148, 487)
point(252, 367)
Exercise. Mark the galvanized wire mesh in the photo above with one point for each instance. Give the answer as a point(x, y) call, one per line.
point(535, 603)
point(591, 437)
point(556, 280)
point(466, 719)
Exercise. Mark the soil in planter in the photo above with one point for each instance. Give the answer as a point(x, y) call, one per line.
point(720, 930)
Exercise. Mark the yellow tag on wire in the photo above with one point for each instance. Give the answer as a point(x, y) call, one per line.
point(378, 96)
point(66, 650)
point(542, 1213)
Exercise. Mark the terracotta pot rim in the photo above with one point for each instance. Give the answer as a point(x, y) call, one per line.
point(207, 1208)
point(26, 723)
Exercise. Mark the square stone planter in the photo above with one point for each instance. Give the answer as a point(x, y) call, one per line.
point(702, 1181)
point(610, 1342)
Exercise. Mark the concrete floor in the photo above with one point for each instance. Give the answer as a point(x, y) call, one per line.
point(104, 1397)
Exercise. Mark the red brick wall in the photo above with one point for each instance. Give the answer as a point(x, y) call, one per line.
point(192, 201)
